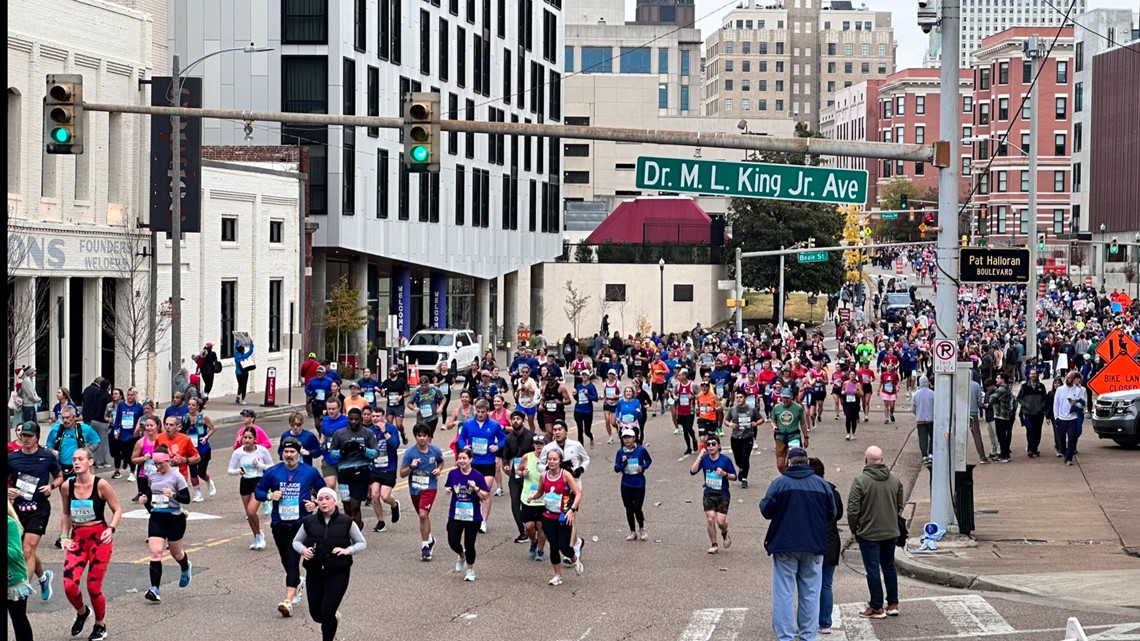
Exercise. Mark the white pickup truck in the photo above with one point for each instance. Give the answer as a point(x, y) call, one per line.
point(456, 347)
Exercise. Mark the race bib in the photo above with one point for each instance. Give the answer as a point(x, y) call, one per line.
point(464, 511)
point(445, 388)
point(289, 509)
point(706, 408)
point(426, 410)
point(720, 389)
point(583, 398)
point(889, 388)
point(162, 503)
point(713, 481)
point(515, 463)
point(381, 460)
point(551, 406)
point(850, 398)
point(479, 446)
point(627, 418)
point(419, 481)
point(193, 438)
point(149, 467)
point(249, 470)
point(866, 378)
point(526, 400)
point(684, 399)
point(82, 510)
point(631, 465)
point(795, 442)
point(128, 422)
point(750, 401)
point(344, 494)
point(370, 396)
point(552, 501)
point(27, 485)
point(320, 395)
point(744, 422)
point(611, 392)
point(393, 399)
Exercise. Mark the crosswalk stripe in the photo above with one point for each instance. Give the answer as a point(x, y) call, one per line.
point(705, 623)
point(849, 626)
point(972, 615)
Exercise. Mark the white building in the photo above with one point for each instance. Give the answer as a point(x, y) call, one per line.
point(983, 18)
point(434, 249)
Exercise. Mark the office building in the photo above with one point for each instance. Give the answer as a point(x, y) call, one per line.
point(854, 116)
point(983, 18)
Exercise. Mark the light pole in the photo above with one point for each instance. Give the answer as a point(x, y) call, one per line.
point(1034, 49)
point(661, 266)
point(1103, 260)
point(176, 80)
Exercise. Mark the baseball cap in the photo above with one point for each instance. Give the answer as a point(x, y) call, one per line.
point(312, 354)
point(625, 433)
point(786, 393)
point(354, 384)
point(321, 369)
point(209, 344)
point(249, 412)
point(31, 427)
point(797, 452)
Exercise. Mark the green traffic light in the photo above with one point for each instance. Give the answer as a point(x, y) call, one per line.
point(60, 135)
point(420, 153)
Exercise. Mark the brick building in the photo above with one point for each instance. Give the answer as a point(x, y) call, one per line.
point(854, 116)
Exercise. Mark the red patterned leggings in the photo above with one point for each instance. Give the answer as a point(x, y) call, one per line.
point(90, 554)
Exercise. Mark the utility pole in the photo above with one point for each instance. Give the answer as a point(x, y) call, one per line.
point(176, 225)
point(946, 299)
point(739, 294)
point(780, 299)
point(1033, 49)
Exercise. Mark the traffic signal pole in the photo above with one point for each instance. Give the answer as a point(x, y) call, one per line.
point(1031, 50)
point(946, 298)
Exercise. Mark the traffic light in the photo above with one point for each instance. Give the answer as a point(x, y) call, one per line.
point(1041, 242)
point(1114, 246)
point(811, 243)
point(421, 131)
point(63, 114)
point(965, 240)
point(903, 201)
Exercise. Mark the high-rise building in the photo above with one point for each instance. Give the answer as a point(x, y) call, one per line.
point(983, 18)
point(788, 59)
point(435, 250)
point(676, 12)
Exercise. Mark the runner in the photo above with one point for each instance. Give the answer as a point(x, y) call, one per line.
point(501, 415)
point(709, 411)
point(631, 462)
point(182, 451)
point(658, 370)
point(529, 472)
point(327, 542)
point(518, 442)
point(318, 390)
point(888, 389)
point(249, 420)
point(19, 588)
point(743, 421)
point(585, 395)
point(555, 398)
point(561, 497)
point(199, 428)
point(141, 457)
point(611, 393)
point(422, 465)
point(353, 449)
point(382, 470)
point(332, 422)
point(395, 391)
point(427, 403)
point(291, 487)
point(310, 445)
point(355, 400)
point(866, 376)
point(128, 417)
point(682, 397)
point(462, 413)
point(33, 473)
point(250, 462)
point(526, 395)
point(468, 488)
point(852, 393)
point(717, 471)
point(484, 438)
point(87, 541)
point(576, 461)
point(167, 527)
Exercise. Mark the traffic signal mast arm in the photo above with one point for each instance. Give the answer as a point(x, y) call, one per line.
point(818, 146)
point(800, 250)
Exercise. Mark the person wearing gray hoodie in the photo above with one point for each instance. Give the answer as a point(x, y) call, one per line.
point(873, 507)
point(923, 403)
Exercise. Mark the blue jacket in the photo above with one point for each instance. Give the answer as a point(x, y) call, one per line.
point(296, 487)
point(480, 438)
point(308, 441)
point(591, 393)
point(321, 385)
point(800, 505)
point(241, 356)
point(639, 454)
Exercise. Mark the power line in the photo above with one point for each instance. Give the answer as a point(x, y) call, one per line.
point(1091, 30)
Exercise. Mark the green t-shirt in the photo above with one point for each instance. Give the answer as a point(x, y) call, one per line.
point(788, 419)
point(17, 570)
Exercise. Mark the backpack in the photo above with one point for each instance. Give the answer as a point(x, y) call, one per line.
point(78, 437)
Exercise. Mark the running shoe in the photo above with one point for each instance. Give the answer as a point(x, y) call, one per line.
point(676, 430)
point(714, 549)
point(80, 621)
point(285, 608)
point(213, 488)
point(116, 475)
point(198, 498)
point(380, 527)
point(578, 567)
point(532, 552)
point(540, 556)
point(871, 613)
point(893, 610)
point(643, 535)
point(632, 536)
point(581, 543)
point(557, 580)
point(300, 592)
point(470, 576)
point(431, 543)
point(131, 477)
point(153, 595)
point(825, 630)
point(459, 563)
point(98, 633)
point(498, 491)
point(59, 544)
point(368, 502)
point(253, 543)
point(522, 538)
point(187, 574)
point(727, 540)
point(744, 484)
point(483, 527)
point(610, 441)
point(396, 513)
point(45, 585)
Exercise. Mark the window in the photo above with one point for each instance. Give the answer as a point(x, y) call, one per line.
point(1003, 108)
point(1026, 110)
point(1002, 181)
point(682, 293)
point(1025, 144)
point(477, 55)
point(1023, 222)
point(887, 108)
point(382, 183)
point(983, 184)
point(304, 22)
point(728, 105)
point(1080, 57)
point(848, 49)
point(373, 99)
point(1062, 111)
point(469, 145)
point(359, 31)
point(762, 104)
point(865, 49)
point(831, 48)
point(1059, 145)
point(402, 212)
point(576, 177)
point(729, 46)
point(779, 66)
point(507, 76)
point(568, 55)
point(1002, 214)
point(684, 97)
point(396, 54)
point(848, 67)
point(745, 85)
point(882, 50)
point(746, 66)
point(779, 85)
point(662, 61)
point(684, 63)
point(276, 229)
point(1059, 181)
point(662, 96)
point(1058, 221)
point(460, 194)
point(745, 105)
point(1025, 182)
point(229, 230)
point(779, 48)
point(920, 105)
point(1026, 72)
point(967, 104)
point(425, 42)
point(576, 150)
point(597, 60)
point(728, 64)
point(1078, 96)
point(984, 113)
point(348, 172)
point(864, 67)
point(965, 165)
point(919, 169)
point(1062, 72)
point(229, 317)
point(471, 11)
point(1003, 73)
point(920, 134)
point(762, 49)
point(983, 79)
point(275, 315)
point(728, 84)
point(1078, 135)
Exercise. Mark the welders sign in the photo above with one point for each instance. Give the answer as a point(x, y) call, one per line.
point(989, 265)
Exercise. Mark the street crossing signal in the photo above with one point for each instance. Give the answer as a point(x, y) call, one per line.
point(1041, 242)
point(63, 114)
point(421, 132)
point(903, 201)
point(811, 243)
point(1114, 247)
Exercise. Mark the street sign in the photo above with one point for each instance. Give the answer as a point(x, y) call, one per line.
point(844, 314)
point(945, 356)
point(890, 215)
point(990, 265)
point(1117, 343)
point(726, 285)
point(812, 257)
point(1122, 373)
point(753, 180)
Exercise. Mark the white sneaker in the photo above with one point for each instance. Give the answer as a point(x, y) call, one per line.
point(470, 576)
point(483, 527)
point(131, 478)
point(213, 488)
point(198, 498)
point(253, 544)
point(611, 441)
point(676, 430)
point(578, 545)
point(300, 592)
point(460, 563)
point(847, 437)
point(578, 567)
point(285, 608)
point(557, 580)
point(498, 491)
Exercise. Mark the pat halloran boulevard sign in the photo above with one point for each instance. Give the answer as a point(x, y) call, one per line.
point(988, 265)
point(753, 180)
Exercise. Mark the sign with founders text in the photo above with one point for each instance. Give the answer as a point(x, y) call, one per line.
point(990, 265)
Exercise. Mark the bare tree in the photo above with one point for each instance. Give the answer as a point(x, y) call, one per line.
point(23, 330)
point(603, 304)
point(576, 304)
point(622, 305)
point(132, 316)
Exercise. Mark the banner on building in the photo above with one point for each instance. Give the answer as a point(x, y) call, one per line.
point(161, 160)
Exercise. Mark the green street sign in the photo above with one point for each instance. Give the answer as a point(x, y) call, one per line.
point(753, 180)
point(812, 257)
point(890, 215)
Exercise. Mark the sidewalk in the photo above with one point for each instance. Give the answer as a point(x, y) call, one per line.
point(1040, 529)
point(225, 411)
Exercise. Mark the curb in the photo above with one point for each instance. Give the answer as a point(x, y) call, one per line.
point(276, 411)
point(927, 573)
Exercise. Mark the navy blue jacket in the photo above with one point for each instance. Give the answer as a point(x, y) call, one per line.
point(800, 505)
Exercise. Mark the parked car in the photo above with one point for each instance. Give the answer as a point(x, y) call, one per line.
point(894, 306)
point(1116, 416)
point(456, 347)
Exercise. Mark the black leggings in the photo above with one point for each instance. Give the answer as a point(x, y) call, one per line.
point(584, 421)
point(325, 592)
point(242, 381)
point(633, 498)
point(283, 537)
point(641, 427)
point(686, 425)
point(558, 534)
point(121, 452)
point(741, 452)
point(851, 414)
point(198, 470)
point(18, 613)
point(467, 531)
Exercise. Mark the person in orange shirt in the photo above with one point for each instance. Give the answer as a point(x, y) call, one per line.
point(709, 413)
point(657, 371)
point(182, 451)
point(354, 398)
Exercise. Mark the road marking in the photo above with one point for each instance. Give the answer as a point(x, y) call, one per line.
point(1043, 633)
point(849, 626)
point(1126, 632)
point(141, 513)
point(208, 543)
point(971, 615)
point(705, 623)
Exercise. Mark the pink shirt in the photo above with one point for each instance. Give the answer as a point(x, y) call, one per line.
point(262, 438)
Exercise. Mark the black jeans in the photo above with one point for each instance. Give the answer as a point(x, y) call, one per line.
point(461, 538)
point(283, 538)
point(926, 439)
point(1033, 432)
point(1004, 427)
point(515, 485)
point(633, 498)
point(325, 592)
point(584, 420)
point(741, 452)
point(18, 613)
point(242, 381)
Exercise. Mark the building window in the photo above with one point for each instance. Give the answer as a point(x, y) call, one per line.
point(1002, 214)
point(229, 317)
point(745, 104)
point(728, 64)
point(762, 49)
point(984, 113)
point(967, 104)
point(685, 63)
point(882, 51)
point(396, 55)
point(576, 177)
point(684, 97)
point(382, 183)
point(425, 42)
point(983, 79)
point(373, 99)
point(1003, 108)
point(780, 105)
point(359, 30)
point(461, 56)
point(1058, 221)
point(304, 22)
point(728, 84)
point(1078, 137)
point(728, 105)
point(1003, 73)
point(983, 184)
point(682, 293)
point(920, 105)
point(1025, 144)
point(1062, 107)
point(866, 49)
point(662, 61)
point(864, 67)
point(635, 60)
point(275, 315)
point(348, 172)
point(919, 135)
point(919, 169)
point(229, 230)
point(1078, 96)
point(597, 60)
point(404, 180)
point(1025, 182)
point(1023, 222)
point(460, 194)
point(1062, 72)
point(1080, 57)
point(276, 229)
point(848, 50)
point(568, 54)
point(1026, 72)
point(762, 104)
point(1002, 181)
point(1058, 181)
point(831, 48)
point(729, 46)
point(615, 293)
point(662, 96)
point(848, 67)
point(1059, 145)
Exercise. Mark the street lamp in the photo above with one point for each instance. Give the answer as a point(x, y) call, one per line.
point(1103, 261)
point(176, 80)
point(661, 265)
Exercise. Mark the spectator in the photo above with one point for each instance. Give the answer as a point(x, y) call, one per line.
point(873, 507)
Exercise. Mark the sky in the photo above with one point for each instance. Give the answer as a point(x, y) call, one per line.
point(912, 42)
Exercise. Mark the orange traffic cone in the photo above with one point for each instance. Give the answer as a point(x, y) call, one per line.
point(413, 375)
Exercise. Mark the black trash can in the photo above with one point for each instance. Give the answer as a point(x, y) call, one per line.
point(964, 499)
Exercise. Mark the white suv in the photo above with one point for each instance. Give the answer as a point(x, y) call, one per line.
point(456, 347)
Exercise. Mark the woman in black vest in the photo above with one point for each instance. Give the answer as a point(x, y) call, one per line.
point(327, 541)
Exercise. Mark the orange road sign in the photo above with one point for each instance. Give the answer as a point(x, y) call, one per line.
point(1117, 343)
point(1122, 373)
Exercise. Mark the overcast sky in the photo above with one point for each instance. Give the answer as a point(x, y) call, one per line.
point(912, 42)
